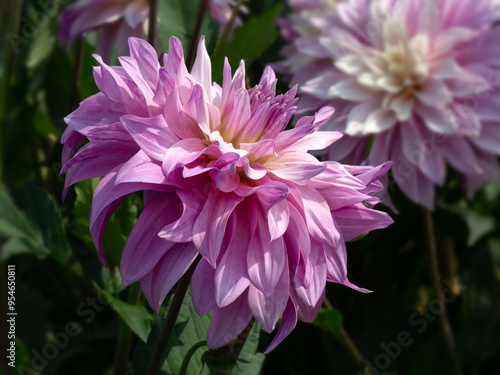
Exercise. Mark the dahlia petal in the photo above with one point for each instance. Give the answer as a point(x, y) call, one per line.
point(288, 323)
point(437, 120)
point(265, 259)
point(278, 219)
point(144, 53)
point(315, 141)
point(359, 114)
point(358, 219)
point(94, 164)
point(228, 322)
point(202, 67)
point(434, 93)
point(461, 155)
point(107, 196)
point(312, 294)
point(379, 121)
point(336, 263)
point(151, 134)
point(181, 230)
point(271, 194)
point(350, 89)
point(203, 288)
point(115, 88)
point(209, 227)
point(420, 150)
point(231, 276)
point(267, 310)
point(299, 172)
point(144, 248)
point(94, 112)
point(140, 168)
point(167, 273)
point(181, 153)
point(412, 182)
point(318, 217)
point(297, 239)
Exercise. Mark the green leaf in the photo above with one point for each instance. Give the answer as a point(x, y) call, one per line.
point(118, 228)
point(136, 317)
point(34, 226)
point(477, 224)
point(188, 330)
point(494, 247)
point(42, 45)
point(248, 42)
point(249, 361)
point(178, 17)
point(330, 320)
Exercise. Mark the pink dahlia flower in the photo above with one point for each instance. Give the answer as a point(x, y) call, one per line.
point(413, 81)
point(222, 10)
point(221, 179)
point(116, 21)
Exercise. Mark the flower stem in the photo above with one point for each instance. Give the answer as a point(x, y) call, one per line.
point(189, 354)
point(196, 33)
point(444, 322)
point(153, 16)
point(125, 336)
point(173, 312)
point(351, 347)
point(230, 24)
point(13, 23)
point(75, 76)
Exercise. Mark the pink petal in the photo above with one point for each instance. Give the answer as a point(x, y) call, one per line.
point(288, 323)
point(144, 248)
point(267, 310)
point(210, 226)
point(167, 273)
point(228, 322)
point(203, 288)
point(358, 219)
point(265, 259)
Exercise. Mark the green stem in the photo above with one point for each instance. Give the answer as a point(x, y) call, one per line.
point(189, 354)
point(196, 33)
point(75, 76)
point(444, 322)
point(168, 327)
point(125, 336)
point(351, 347)
point(153, 16)
point(230, 24)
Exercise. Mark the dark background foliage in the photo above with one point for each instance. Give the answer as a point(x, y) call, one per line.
point(72, 311)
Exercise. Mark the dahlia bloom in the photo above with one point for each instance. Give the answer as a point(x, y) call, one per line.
point(412, 81)
point(116, 21)
point(222, 10)
point(221, 179)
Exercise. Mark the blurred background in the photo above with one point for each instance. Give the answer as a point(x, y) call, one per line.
point(71, 310)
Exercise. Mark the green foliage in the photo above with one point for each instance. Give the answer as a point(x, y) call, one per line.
point(247, 42)
point(330, 320)
point(189, 329)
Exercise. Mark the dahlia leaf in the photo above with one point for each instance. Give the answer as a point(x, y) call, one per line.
point(330, 320)
point(248, 42)
point(136, 317)
point(478, 224)
point(34, 226)
point(188, 330)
